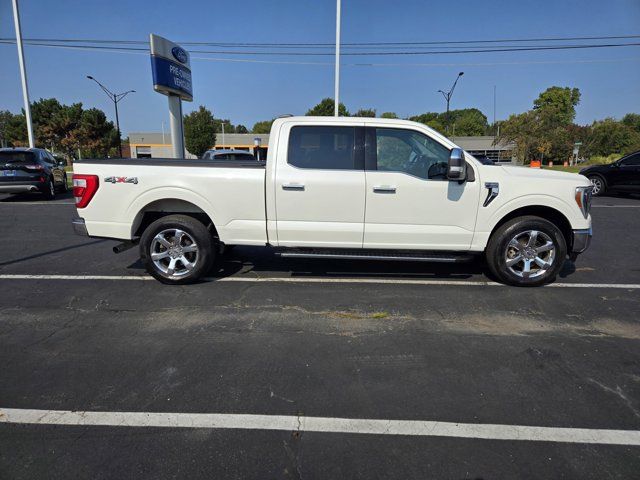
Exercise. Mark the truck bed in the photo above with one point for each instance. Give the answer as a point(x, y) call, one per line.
point(174, 162)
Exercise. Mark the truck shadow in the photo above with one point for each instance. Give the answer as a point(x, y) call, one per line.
point(253, 260)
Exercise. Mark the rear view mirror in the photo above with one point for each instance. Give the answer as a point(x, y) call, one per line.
point(457, 168)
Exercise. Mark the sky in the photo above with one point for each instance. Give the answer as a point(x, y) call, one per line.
point(608, 78)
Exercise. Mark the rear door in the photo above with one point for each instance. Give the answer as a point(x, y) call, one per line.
point(410, 202)
point(320, 185)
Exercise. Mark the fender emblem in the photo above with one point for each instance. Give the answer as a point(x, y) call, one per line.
point(493, 189)
point(133, 180)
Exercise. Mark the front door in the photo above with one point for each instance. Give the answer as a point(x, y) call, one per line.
point(410, 204)
point(320, 186)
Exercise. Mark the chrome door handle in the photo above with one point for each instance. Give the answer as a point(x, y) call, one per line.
point(293, 186)
point(384, 189)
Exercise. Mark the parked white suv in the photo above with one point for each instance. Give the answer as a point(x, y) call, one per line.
point(374, 189)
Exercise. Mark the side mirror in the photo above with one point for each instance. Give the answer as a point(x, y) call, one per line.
point(457, 167)
point(62, 163)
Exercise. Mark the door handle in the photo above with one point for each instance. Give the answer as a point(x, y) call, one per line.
point(293, 186)
point(384, 189)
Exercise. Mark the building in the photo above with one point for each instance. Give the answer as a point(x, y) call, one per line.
point(485, 145)
point(158, 145)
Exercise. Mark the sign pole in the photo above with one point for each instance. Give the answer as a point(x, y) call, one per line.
point(23, 74)
point(171, 71)
point(175, 121)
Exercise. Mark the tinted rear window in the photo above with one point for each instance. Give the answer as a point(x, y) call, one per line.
point(328, 148)
point(17, 157)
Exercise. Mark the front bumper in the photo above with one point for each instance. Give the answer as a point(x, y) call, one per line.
point(79, 226)
point(581, 240)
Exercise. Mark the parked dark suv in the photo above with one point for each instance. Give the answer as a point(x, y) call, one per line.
point(31, 170)
point(622, 175)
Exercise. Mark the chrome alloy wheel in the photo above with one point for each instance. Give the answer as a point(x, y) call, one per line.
point(597, 185)
point(530, 254)
point(174, 252)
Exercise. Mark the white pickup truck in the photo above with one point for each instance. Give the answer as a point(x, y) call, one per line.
point(353, 188)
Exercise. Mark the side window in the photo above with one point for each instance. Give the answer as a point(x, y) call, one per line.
point(632, 161)
point(411, 152)
point(44, 156)
point(326, 148)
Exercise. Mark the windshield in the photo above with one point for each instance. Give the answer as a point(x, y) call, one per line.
point(17, 157)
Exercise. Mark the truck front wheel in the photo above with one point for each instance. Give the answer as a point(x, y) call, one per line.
point(526, 251)
point(177, 249)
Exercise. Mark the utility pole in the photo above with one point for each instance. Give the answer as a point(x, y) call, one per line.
point(494, 106)
point(336, 95)
point(23, 74)
point(115, 97)
point(447, 96)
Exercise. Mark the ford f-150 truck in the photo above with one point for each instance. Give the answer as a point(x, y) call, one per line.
point(363, 188)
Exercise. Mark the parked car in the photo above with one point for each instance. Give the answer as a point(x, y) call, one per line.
point(483, 159)
point(426, 200)
point(31, 170)
point(228, 155)
point(622, 176)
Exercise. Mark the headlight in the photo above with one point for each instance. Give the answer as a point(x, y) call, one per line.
point(583, 199)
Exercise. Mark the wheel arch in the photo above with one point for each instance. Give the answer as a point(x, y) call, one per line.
point(551, 214)
point(156, 209)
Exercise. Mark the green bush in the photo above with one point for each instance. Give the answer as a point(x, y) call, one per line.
point(602, 160)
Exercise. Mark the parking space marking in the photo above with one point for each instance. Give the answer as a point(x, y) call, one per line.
point(321, 424)
point(376, 281)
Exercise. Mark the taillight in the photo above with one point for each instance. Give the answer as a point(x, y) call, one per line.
point(84, 188)
point(33, 167)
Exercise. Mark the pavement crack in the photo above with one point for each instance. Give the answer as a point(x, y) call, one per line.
point(619, 393)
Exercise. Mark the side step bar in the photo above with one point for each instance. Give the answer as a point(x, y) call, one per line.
point(368, 255)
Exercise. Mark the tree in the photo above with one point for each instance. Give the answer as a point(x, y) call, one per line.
point(241, 129)
point(365, 112)
point(97, 136)
point(262, 127)
point(199, 131)
point(430, 119)
point(632, 120)
point(610, 136)
point(326, 109)
point(559, 103)
point(467, 122)
point(389, 115)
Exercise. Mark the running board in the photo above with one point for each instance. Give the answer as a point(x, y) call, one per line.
point(378, 255)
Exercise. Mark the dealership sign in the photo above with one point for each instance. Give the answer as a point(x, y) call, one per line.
point(171, 68)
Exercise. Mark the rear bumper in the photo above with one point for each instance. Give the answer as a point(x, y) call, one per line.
point(581, 240)
point(79, 226)
point(20, 187)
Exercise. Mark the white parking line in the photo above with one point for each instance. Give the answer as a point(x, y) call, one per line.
point(322, 424)
point(376, 281)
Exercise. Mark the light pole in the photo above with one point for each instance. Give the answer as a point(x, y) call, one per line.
point(447, 97)
point(23, 74)
point(336, 87)
point(256, 144)
point(115, 97)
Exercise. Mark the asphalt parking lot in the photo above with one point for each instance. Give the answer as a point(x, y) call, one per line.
point(314, 369)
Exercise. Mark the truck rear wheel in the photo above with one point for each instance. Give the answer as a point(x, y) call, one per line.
point(177, 249)
point(526, 251)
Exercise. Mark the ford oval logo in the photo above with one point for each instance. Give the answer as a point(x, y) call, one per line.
point(179, 54)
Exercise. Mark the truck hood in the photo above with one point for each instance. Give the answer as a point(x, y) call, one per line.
point(543, 174)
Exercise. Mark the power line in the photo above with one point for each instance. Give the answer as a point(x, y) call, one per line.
point(331, 45)
point(382, 53)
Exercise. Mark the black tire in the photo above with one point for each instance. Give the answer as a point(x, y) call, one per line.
point(65, 186)
point(49, 189)
point(599, 185)
point(520, 230)
point(200, 260)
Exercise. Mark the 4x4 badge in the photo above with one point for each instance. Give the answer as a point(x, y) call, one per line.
point(133, 180)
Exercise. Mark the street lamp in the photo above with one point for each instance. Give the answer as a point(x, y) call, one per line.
point(256, 144)
point(447, 97)
point(115, 97)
